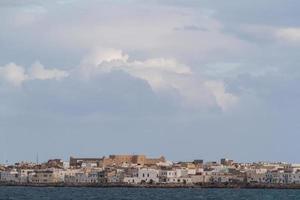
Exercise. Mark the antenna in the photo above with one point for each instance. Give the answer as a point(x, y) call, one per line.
point(37, 158)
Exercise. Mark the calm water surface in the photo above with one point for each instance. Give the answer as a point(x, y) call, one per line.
point(144, 194)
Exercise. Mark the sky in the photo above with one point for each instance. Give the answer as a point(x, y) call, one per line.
point(187, 79)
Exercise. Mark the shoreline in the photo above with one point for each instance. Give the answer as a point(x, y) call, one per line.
point(159, 186)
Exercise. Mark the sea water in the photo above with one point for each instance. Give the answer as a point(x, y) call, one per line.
point(42, 193)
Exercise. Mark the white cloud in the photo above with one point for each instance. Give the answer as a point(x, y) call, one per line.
point(100, 55)
point(289, 34)
point(16, 75)
point(38, 71)
point(224, 99)
point(157, 71)
point(161, 74)
point(13, 74)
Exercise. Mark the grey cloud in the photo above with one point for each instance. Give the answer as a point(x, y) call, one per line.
point(190, 28)
point(275, 12)
point(18, 3)
point(116, 93)
point(118, 113)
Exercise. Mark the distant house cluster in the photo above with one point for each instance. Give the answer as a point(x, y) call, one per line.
point(139, 169)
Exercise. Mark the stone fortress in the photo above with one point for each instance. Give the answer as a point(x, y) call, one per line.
point(116, 160)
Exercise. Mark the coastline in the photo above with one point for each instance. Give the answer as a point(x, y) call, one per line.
point(160, 186)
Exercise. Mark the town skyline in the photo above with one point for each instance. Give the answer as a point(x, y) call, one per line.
point(37, 160)
point(141, 170)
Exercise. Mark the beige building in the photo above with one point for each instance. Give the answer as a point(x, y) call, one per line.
point(47, 176)
point(115, 160)
point(119, 160)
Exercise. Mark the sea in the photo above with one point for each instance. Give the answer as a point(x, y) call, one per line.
point(64, 193)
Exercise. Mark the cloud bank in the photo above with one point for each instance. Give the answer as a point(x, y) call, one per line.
point(16, 75)
point(163, 75)
point(195, 73)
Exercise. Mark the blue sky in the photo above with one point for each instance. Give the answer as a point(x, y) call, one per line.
point(190, 80)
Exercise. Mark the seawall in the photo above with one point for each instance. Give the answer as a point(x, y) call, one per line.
point(203, 185)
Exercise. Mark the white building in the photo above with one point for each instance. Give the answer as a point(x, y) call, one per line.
point(256, 176)
point(148, 175)
point(191, 171)
point(9, 176)
point(296, 178)
point(173, 175)
point(143, 175)
point(23, 175)
point(166, 175)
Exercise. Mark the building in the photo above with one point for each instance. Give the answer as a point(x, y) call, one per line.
point(143, 175)
point(107, 175)
point(11, 176)
point(198, 179)
point(148, 175)
point(226, 162)
point(166, 174)
point(23, 175)
point(256, 176)
point(115, 160)
point(82, 178)
point(83, 162)
point(47, 176)
point(119, 160)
